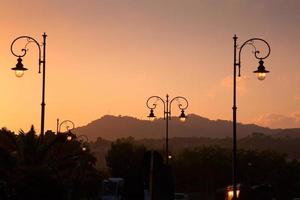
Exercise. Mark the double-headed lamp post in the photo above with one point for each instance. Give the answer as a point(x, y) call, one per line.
point(167, 113)
point(19, 68)
point(261, 74)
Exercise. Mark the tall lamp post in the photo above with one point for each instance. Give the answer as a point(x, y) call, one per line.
point(19, 68)
point(167, 113)
point(261, 74)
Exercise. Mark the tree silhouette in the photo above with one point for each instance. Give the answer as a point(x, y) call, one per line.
point(125, 159)
point(45, 167)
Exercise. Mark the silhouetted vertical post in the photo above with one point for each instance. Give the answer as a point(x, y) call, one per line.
point(234, 108)
point(261, 76)
point(151, 175)
point(43, 87)
point(57, 124)
point(167, 128)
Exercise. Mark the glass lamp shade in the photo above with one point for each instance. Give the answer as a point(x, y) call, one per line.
point(69, 137)
point(151, 119)
point(261, 71)
point(261, 76)
point(19, 73)
point(182, 119)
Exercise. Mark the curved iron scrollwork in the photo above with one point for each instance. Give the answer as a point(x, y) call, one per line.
point(154, 104)
point(256, 52)
point(180, 105)
point(25, 49)
point(68, 124)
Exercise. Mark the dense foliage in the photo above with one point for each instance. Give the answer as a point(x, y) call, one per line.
point(45, 167)
point(206, 170)
point(126, 160)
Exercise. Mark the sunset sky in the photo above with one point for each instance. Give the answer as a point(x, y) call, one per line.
point(109, 56)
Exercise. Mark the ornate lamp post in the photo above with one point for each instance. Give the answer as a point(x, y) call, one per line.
point(68, 126)
point(19, 68)
point(261, 74)
point(167, 113)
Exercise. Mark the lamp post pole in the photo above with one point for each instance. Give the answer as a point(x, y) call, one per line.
point(261, 73)
point(167, 113)
point(19, 69)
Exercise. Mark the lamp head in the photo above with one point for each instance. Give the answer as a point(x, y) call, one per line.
point(261, 71)
point(151, 116)
point(69, 136)
point(19, 68)
point(182, 116)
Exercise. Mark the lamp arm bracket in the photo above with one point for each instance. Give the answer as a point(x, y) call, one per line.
point(25, 49)
point(153, 105)
point(256, 52)
point(181, 106)
point(67, 127)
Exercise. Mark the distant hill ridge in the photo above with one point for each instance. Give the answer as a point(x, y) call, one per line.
point(112, 127)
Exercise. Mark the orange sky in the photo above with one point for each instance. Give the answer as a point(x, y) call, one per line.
point(109, 56)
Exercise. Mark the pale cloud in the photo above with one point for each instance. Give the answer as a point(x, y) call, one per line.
point(227, 82)
point(273, 120)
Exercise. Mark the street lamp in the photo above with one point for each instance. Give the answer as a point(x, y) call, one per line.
point(261, 74)
point(84, 141)
point(68, 125)
point(20, 69)
point(167, 113)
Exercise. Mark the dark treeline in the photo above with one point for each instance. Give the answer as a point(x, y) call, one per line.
point(51, 167)
point(206, 170)
point(256, 142)
point(45, 167)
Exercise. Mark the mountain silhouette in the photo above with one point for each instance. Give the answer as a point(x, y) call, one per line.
point(113, 127)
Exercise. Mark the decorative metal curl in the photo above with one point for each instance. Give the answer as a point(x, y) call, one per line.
point(24, 50)
point(167, 104)
point(256, 52)
point(180, 105)
point(153, 106)
point(67, 127)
